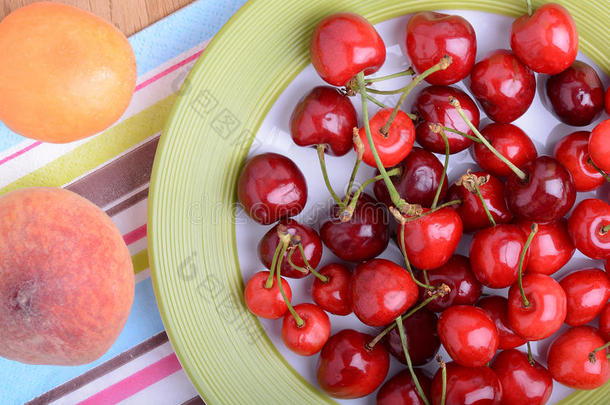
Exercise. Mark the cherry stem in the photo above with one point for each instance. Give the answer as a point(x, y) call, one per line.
point(403, 342)
point(401, 243)
point(321, 149)
point(593, 354)
point(408, 72)
point(489, 216)
point(346, 215)
point(360, 152)
point(426, 277)
point(455, 131)
point(322, 278)
point(526, 302)
point(269, 282)
point(444, 174)
point(375, 101)
point(530, 357)
point(443, 205)
point(455, 103)
point(530, 9)
point(278, 272)
point(603, 173)
point(604, 229)
point(294, 266)
point(443, 367)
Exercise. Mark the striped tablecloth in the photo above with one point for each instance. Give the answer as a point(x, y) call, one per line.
point(112, 169)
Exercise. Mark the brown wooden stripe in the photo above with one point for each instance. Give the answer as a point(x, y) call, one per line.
point(100, 370)
point(131, 201)
point(194, 401)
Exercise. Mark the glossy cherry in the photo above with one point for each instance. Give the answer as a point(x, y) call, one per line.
point(468, 334)
point(266, 302)
point(547, 194)
point(325, 116)
point(572, 151)
point(271, 187)
point(432, 107)
point(550, 249)
point(504, 86)
point(431, 35)
point(587, 291)
point(344, 44)
point(569, 361)
point(511, 142)
point(497, 308)
point(430, 240)
point(312, 246)
point(604, 323)
point(393, 146)
point(467, 385)
point(348, 369)
point(401, 389)
point(576, 94)
point(308, 339)
point(471, 209)
point(418, 182)
point(494, 255)
point(547, 40)
point(334, 295)
point(546, 311)
point(586, 228)
point(381, 290)
point(363, 237)
point(422, 339)
point(599, 145)
point(522, 382)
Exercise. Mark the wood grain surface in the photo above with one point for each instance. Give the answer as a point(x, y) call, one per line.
point(129, 15)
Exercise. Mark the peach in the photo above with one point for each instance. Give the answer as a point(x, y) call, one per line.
point(66, 278)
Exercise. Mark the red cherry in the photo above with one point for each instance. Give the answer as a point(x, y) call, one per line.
point(576, 94)
point(344, 44)
point(401, 389)
point(348, 369)
point(547, 194)
point(467, 385)
point(309, 338)
point(271, 187)
point(599, 145)
point(547, 309)
point(504, 86)
point(471, 209)
point(266, 302)
point(312, 246)
point(381, 290)
point(392, 147)
point(418, 182)
point(511, 142)
point(363, 237)
point(569, 361)
point(456, 274)
point(586, 228)
point(497, 308)
point(468, 334)
point(334, 295)
point(325, 116)
point(430, 36)
point(431, 240)
point(547, 40)
point(422, 339)
point(522, 382)
point(550, 249)
point(572, 152)
point(495, 253)
point(604, 323)
point(587, 292)
point(432, 107)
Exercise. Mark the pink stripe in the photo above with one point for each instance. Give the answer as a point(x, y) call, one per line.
point(135, 235)
point(20, 152)
point(136, 382)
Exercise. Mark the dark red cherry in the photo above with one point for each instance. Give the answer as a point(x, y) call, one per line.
point(607, 101)
point(576, 94)
point(588, 227)
point(546, 194)
point(431, 35)
point(547, 40)
point(433, 107)
point(266, 302)
point(522, 382)
point(271, 187)
point(497, 308)
point(401, 389)
point(334, 295)
point(348, 369)
point(511, 142)
point(393, 146)
point(467, 385)
point(363, 237)
point(325, 116)
point(604, 323)
point(550, 249)
point(587, 291)
point(599, 145)
point(309, 338)
point(418, 182)
point(381, 290)
point(422, 339)
point(572, 151)
point(344, 44)
point(312, 246)
point(504, 86)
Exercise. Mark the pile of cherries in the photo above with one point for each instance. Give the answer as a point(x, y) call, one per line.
point(514, 207)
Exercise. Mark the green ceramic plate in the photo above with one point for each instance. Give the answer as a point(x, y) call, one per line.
point(192, 244)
